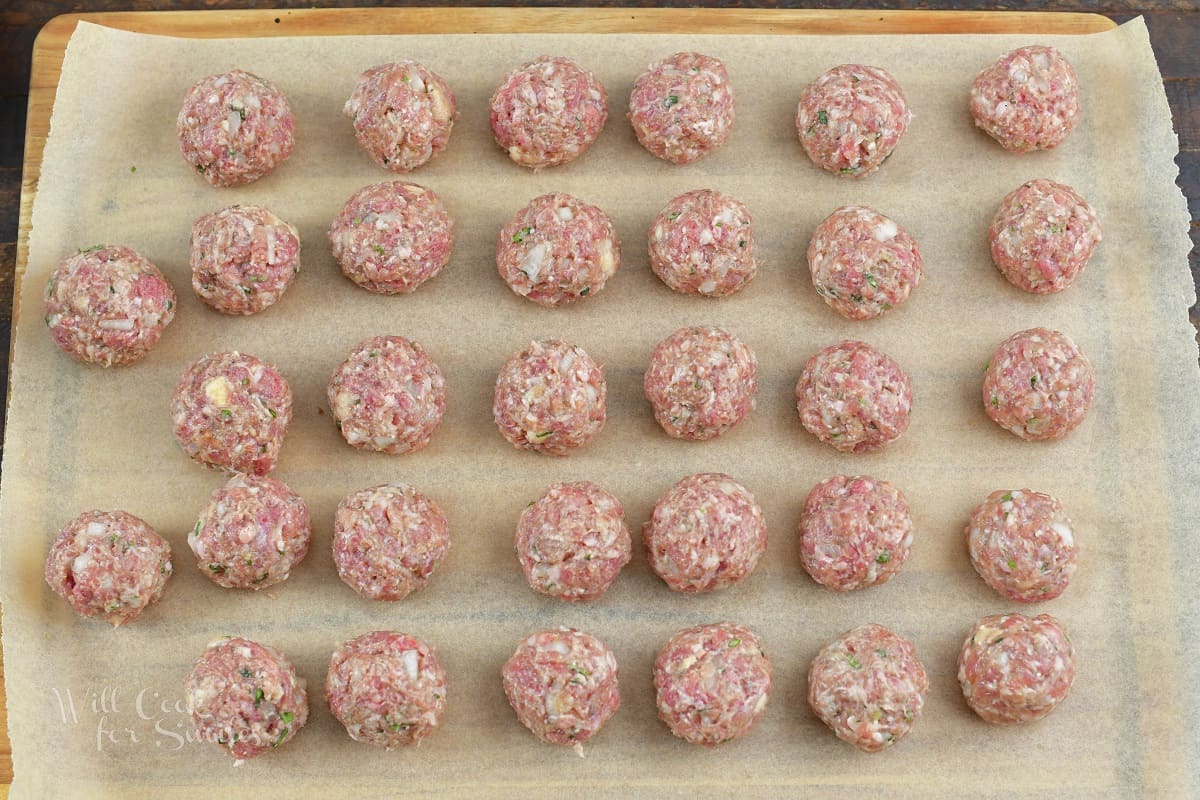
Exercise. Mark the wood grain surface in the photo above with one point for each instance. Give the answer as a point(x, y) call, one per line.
point(29, 72)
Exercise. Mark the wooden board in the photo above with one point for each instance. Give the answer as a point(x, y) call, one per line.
point(51, 45)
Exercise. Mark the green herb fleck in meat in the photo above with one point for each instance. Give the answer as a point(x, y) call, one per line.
point(520, 235)
point(883, 557)
point(670, 101)
point(822, 117)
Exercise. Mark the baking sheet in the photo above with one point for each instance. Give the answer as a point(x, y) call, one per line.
point(96, 712)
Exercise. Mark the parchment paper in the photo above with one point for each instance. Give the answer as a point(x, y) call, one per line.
point(96, 712)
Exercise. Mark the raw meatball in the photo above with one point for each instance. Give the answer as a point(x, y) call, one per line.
point(563, 685)
point(703, 243)
point(1023, 545)
point(550, 398)
point(403, 114)
point(386, 688)
point(854, 532)
point(1042, 236)
point(548, 112)
point(231, 410)
point(387, 396)
point(243, 258)
point(1015, 668)
point(251, 534)
point(572, 541)
point(234, 128)
point(851, 118)
point(701, 382)
point(390, 238)
point(853, 397)
point(1038, 385)
point(388, 540)
point(1027, 100)
point(557, 250)
point(107, 305)
point(863, 263)
point(245, 697)
point(705, 533)
point(868, 686)
point(108, 565)
point(712, 683)
point(681, 107)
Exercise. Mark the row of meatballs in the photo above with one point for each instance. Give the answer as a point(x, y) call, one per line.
point(236, 127)
point(712, 685)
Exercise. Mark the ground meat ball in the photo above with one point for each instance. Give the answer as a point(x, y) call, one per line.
point(853, 397)
point(712, 683)
point(705, 533)
point(701, 382)
point(386, 688)
point(390, 238)
point(1022, 544)
point(387, 541)
point(1038, 385)
point(682, 107)
point(243, 258)
point(231, 410)
point(403, 114)
point(868, 686)
point(1042, 236)
point(387, 396)
point(107, 305)
point(863, 263)
point(550, 398)
point(548, 112)
point(703, 243)
point(251, 534)
point(108, 565)
point(245, 697)
point(563, 685)
point(572, 541)
point(234, 128)
point(1027, 100)
point(854, 532)
point(851, 118)
point(1015, 668)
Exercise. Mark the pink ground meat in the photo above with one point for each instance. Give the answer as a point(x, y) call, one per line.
point(243, 258)
point(1027, 100)
point(388, 396)
point(1023, 545)
point(388, 540)
point(862, 263)
point(563, 685)
point(252, 534)
point(403, 113)
point(682, 108)
point(107, 305)
point(386, 688)
point(701, 382)
point(853, 397)
point(1042, 236)
point(868, 686)
point(390, 238)
point(712, 683)
point(703, 243)
point(550, 398)
point(706, 533)
point(851, 118)
point(572, 541)
point(1015, 668)
point(1038, 385)
point(246, 697)
point(854, 532)
point(108, 565)
point(235, 127)
point(548, 112)
point(231, 410)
